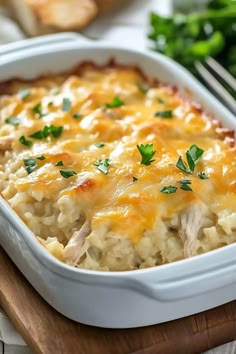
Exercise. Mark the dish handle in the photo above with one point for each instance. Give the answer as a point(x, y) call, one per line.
point(57, 38)
point(187, 286)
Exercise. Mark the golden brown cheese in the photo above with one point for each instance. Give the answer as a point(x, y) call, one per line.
point(127, 200)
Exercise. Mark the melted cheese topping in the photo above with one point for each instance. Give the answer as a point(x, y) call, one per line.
point(114, 200)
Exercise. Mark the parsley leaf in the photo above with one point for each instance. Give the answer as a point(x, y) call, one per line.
point(50, 104)
point(193, 155)
point(31, 164)
point(103, 165)
point(182, 165)
point(184, 184)
point(37, 109)
point(13, 121)
point(202, 175)
point(44, 133)
point(41, 158)
point(24, 93)
point(77, 115)
point(55, 131)
point(142, 88)
point(99, 145)
point(24, 141)
point(116, 102)
point(59, 163)
point(160, 100)
point(135, 179)
point(66, 107)
point(67, 173)
point(41, 134)
point(164, 114)
point(147, 153)
point(168, 189)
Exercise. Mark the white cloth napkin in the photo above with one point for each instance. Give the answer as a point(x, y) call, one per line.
point(9, 30)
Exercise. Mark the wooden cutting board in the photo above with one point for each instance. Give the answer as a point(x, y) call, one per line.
point(48, 332)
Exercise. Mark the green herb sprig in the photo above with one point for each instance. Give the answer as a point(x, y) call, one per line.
point(191, 37)
point(116, 102)
point(37, 109)
point(59, 163)
point(67, 173)
point(168, 189)
point(46, 131)
point(31, 164)
point(103, 166)
point(147, 153)
point(164, 114)
point(142, 88)
point(193, 155)
point(25, 142)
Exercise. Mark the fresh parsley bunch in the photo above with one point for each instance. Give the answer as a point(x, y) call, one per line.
point(190, 37)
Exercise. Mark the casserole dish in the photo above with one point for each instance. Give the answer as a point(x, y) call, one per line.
point(116, 299)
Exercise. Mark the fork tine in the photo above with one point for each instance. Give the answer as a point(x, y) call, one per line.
point(216, 86)
point(220, 70)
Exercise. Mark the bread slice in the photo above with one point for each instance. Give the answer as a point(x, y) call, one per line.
point(46, 16)
point(105, 6)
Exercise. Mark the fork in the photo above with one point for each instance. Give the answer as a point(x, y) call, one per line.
point(215, 84)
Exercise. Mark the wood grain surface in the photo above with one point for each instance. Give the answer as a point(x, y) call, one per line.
point(48, 332)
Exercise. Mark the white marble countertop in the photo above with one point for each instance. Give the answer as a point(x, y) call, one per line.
point(129, 26)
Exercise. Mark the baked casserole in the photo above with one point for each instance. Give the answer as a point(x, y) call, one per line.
point(114, 171)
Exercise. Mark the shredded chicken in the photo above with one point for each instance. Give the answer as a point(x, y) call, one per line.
point(191, 221)
point(77, 245)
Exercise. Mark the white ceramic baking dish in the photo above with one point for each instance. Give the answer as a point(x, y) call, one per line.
point(116, 299)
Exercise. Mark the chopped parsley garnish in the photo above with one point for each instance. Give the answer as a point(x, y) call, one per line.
point(164, 114)
point(168, 189)
point(24, 93)
point(193, 156)
point(50, 104)
point(103, 165)
point(37, 109)
point(44, 133)
point(116, 102)
point(59, 163)
point(41, 158)
point(77, 115)
point(13, 121)
point(142, 88)
point(99, 145)
point(40, 134)
point(55, 131)
point(147, 153)
point(160, 100)
point(202, 175)
point(24, 141)
point(31, 164)
point(67, 173)
point(66, 106)
point(135, 179)
point(184, 184)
